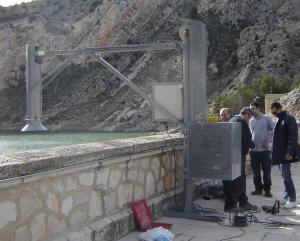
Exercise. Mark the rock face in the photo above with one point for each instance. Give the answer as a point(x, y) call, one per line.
point(292, 103)
point(247, 38)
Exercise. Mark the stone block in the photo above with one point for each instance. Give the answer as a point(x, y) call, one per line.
point(58, 186)
point(60, 239)
point(141, 178)
point(70, 184)
point(38, 227)
point(8, 213)
point(109, 202)
point(114, 178)
point(122, 166)
point(169, 182)
point(179, 159)
point(160, 187)
point(6, 237)
point(102, 178)
point(86, 178)
point(155, 166)
point(162, 172)
point(145, 164)
point(150, 185)
point(124, 194)
point(133, 164)
point(52, 202)
point(172, 165)
point(166, 161)
point(23, 234)
point(67, 205)
point(55, 225)
point(132, 175)
point(95, 205)
point(79, 216)
point(29, 203)
point(82, 235)
point(43, 188)
point(81, 197)
point(124, 176)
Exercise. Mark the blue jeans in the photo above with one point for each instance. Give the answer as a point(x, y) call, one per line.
point(290, 192)
point(261, 160)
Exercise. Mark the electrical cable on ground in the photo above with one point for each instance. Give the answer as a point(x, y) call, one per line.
point(279, 215)
point(175, 143)
point(271, 224)
point(232, 237)
point(268, 224)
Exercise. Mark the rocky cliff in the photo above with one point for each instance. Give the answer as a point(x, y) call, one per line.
point(291, 103)
point(247, 38)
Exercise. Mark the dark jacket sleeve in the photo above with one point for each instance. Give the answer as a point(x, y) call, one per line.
point(292, 136)
point(247, 137)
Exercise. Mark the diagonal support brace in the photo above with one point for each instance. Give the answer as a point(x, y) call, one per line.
point(138, 90)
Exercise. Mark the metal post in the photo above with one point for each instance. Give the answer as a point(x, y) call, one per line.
point(194, 38)
point(33, 92)
point(188, 199)
point(194, 82)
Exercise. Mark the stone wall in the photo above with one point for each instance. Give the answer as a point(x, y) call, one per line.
point(87, 194)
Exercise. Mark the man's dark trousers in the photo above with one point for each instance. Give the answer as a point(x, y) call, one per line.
point(261, 159)
point(237, 188)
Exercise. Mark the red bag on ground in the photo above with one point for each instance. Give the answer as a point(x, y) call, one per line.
point(143, 218)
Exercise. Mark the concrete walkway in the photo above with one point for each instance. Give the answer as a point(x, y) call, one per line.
point(188, 230)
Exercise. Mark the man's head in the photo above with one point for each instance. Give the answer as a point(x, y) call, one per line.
point(225, 114)
point(246, 113)
point(276, 108)
point(255, 107)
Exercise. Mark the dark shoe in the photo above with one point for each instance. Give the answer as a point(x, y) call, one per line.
point(248, 207)
point(257, 192)
point(229, 207)
point(268, 194)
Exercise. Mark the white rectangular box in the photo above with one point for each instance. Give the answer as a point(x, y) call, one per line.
point(169, 95)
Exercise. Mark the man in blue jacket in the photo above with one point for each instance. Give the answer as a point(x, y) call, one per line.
point(237, 189)
point(285, 151)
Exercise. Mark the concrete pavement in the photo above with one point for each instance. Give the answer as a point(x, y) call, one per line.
point(188, 230)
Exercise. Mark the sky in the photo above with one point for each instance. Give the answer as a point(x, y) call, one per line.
point(6, 3)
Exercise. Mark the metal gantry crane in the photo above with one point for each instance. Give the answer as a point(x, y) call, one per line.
point(194, 51)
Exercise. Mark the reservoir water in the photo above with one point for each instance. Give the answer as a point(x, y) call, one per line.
point(19, 141)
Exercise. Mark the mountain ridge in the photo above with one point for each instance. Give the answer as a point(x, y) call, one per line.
point(247, 39)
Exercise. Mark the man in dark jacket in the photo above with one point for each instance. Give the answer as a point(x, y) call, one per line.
point(237, 192)
point(285, 151)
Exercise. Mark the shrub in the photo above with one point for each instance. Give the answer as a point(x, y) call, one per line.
point(295, 84)
point(245, 94)
point(270, 84)
point(32, 18)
